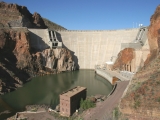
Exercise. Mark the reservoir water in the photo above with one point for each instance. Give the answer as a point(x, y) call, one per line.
point(46, 90)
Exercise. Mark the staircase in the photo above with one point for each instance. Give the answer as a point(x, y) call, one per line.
point(139, 40)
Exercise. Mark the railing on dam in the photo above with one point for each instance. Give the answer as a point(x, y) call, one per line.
point(139, 41)
point(96, 30)
point(131, 45)
point(109, 74)
point(127, 74)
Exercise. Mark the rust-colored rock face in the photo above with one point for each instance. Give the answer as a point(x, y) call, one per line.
point(124, 57)
point(13, 45)
point(154, 35)
point(38, 21)
point(154, 31)
point(21, 50)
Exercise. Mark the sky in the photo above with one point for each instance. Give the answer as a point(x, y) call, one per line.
point(93, 14)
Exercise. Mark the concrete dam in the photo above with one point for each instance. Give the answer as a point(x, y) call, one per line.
point(90, 48)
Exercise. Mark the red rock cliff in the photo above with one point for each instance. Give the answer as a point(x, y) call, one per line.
point(124, 57)
point(154, 34)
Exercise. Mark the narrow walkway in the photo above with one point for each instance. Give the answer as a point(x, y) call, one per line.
point(116, 74)
point(103, 109)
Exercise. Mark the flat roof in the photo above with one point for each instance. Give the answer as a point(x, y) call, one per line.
point(109, 63)
point(73, 91)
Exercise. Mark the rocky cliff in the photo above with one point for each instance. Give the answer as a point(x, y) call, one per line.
point(18, 63)
point(13, 15)
point(142, 99)
point(124, 58)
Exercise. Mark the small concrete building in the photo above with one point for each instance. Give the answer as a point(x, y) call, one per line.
point(70, 100)
point(109, 65)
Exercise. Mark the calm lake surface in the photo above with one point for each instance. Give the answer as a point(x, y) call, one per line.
point(46, 90)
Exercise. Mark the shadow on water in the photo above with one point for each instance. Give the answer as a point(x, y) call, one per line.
point(5, 110)
point(104, 81)
point(75, 59)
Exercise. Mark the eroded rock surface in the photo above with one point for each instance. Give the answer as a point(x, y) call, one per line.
point(124, 57)
point(59, 59)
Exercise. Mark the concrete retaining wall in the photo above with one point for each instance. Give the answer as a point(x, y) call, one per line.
point(40, 39)
point(105, 75)
point(95, 47)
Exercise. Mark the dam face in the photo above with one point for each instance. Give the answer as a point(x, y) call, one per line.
point(39, 39)
point(92, 48)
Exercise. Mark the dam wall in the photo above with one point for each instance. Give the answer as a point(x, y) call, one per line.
point(105, 75)
point(92, 48)
point(40, 39)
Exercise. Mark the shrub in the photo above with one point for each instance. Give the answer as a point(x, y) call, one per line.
point(158, 99)
point(136, 104)
point(86, 104)
point(116, 113)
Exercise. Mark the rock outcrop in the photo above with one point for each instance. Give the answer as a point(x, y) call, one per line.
point(142, 99)
point(18, 63)
point(154, 34)
point(13, 15)
point(59, 59)
point(124, 58)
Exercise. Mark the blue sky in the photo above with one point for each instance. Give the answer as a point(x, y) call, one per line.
point(93, 14)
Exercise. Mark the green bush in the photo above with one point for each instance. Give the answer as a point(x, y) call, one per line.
point(116, 113)
point(86, 104)
point(137, 104)
point(158, 99)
